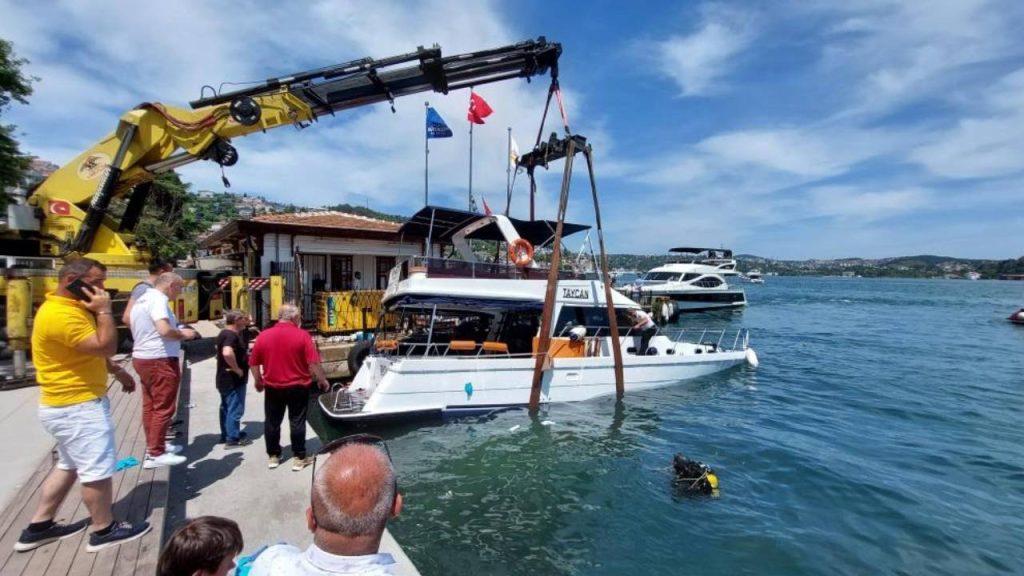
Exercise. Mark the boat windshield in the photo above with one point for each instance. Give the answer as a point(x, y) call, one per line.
point(594, 318)
point(661, 277)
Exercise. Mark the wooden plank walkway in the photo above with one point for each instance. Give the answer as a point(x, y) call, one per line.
point(139, 495)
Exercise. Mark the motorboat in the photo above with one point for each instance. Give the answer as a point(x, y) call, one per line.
point(1017, 317)
point(693, 279)
point(466, 331)
point(754, 277)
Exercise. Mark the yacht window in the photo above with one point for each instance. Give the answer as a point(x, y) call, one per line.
point(709, 282)
point(593, 317)
point(660, 276)
point(690, 276)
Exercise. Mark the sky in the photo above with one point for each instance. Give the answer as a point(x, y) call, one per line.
point(789, 130)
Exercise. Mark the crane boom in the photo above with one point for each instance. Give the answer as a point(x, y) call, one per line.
point(154, 137)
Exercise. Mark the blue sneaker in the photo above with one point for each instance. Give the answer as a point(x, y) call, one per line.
point(30, 540)
point(121, 532)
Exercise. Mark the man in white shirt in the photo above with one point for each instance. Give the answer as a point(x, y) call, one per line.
point(354, 494)
point(645, 326)
point(155, 358)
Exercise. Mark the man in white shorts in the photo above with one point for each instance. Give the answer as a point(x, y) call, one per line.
point(73, 338)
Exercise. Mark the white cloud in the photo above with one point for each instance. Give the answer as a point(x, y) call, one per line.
point(986, 146)
point(852, 202)
point(698, 62)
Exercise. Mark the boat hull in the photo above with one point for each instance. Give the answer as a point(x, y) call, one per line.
point(387, 388)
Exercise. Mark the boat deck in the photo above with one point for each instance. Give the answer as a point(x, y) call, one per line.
point(139, 495)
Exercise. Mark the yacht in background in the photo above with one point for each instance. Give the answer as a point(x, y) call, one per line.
point(754, 277)
point(694, 279)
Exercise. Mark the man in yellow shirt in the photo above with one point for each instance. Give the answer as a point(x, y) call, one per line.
point(73, 337)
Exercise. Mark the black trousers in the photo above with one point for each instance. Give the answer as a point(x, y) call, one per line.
point(275, 401)
point(645, 339)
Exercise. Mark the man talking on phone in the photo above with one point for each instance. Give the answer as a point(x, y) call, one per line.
point(73, 338)
point(155, 351)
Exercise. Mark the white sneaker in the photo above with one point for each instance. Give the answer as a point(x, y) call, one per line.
point(172, 448)
point(165, 459)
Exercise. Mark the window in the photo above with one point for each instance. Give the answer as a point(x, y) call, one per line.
point(384, 266)
point(341, 273)
point(593, 317)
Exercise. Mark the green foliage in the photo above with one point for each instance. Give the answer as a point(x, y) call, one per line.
point(363, 211)
point(174, 218)
point(17, 87)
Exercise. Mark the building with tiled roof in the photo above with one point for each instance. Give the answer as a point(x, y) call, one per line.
point(315, 251)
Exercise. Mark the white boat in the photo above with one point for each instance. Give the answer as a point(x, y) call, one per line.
point(754, 277)
point(468, 339)
point(693, 279)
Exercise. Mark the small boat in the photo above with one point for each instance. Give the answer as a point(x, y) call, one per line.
point(754, 277)
point(1017, 317)
point(466, 338)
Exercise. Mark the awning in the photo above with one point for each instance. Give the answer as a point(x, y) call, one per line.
point(448, 221)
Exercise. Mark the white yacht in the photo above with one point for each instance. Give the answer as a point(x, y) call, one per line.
point(754, 277)
point(693, 279)
point(467, 331)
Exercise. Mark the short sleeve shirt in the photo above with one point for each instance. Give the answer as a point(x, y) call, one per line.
point(285, 352)
point(226, 378)
point(65, 375)
point(149, 345)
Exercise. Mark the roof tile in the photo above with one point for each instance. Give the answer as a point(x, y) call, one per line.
point(329, 219)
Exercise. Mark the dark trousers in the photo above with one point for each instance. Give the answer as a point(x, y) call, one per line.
point(232, 407)
point(645, 340)
point(296, 400)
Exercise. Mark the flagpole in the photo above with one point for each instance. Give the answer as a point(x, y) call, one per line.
point(426, 159)
point(471, 166)
point(508, 173)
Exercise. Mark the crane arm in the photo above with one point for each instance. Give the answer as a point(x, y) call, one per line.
point(155, 137)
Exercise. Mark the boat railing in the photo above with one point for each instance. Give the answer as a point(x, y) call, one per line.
point(723, 339)
point(450, 268)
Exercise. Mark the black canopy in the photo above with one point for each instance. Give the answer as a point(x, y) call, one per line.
point(448, 221)
point(712, 252)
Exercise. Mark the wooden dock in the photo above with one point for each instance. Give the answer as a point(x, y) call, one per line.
point(139, 495)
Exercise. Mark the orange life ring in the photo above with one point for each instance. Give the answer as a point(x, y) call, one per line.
point(520, 252)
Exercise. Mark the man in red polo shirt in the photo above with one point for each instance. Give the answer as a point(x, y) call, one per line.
point(284, 361)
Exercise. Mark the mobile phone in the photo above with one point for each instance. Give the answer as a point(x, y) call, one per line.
point(77, 289)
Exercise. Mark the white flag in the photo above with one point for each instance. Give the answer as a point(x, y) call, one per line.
point(513, 154)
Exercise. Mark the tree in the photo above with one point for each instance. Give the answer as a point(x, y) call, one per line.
point(13, 86)
point(169, 225)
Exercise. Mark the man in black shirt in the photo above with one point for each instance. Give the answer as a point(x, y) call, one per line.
point(232, 376)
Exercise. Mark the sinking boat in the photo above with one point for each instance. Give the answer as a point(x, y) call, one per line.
point(466, 338)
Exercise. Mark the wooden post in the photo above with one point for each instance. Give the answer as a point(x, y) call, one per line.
point(613, 321)
point(544, 341)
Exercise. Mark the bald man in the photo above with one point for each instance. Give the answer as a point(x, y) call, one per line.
point(354, 494)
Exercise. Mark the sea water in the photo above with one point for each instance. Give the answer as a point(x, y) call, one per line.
point(882, 434)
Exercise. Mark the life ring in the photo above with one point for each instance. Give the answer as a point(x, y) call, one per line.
point(520, 252)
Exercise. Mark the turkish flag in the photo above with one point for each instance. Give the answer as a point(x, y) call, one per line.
point(487, 209)
point(59, 207)
point(478, 109)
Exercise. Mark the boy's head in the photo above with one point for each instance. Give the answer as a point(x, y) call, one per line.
point(205, 546)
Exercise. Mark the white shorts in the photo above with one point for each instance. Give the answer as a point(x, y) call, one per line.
point(85, 438)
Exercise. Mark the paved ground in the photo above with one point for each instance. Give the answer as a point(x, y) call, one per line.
point(19, 420)
point(269, 505)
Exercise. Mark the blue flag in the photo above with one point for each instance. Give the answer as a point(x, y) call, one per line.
point(436, 128)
